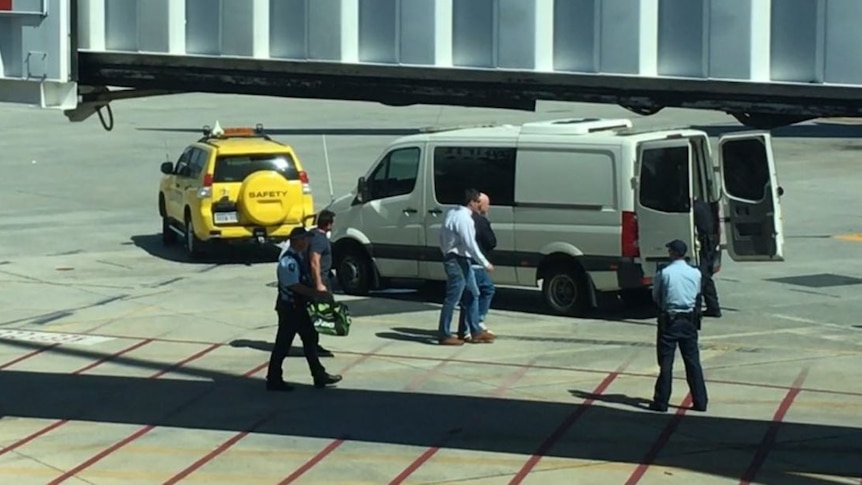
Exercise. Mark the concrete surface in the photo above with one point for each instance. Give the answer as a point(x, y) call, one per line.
point(172, 389)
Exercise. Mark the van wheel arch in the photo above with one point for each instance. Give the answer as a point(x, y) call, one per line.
point(351, 251)
point(563, 272)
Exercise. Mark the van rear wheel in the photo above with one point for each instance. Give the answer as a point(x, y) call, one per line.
point(566, 291)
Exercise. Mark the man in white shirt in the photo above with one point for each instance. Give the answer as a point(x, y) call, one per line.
point(459, 247)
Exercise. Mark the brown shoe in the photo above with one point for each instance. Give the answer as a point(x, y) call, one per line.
point(483, 338)
point(451, 341)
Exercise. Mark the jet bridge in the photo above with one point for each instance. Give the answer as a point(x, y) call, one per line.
point(766, 62)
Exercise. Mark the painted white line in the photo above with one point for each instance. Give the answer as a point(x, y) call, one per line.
point(52, 337)
point(754, 334)
point(808, 320)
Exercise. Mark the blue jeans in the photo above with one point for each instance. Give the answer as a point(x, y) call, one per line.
point(459, 277)
point(486, 294)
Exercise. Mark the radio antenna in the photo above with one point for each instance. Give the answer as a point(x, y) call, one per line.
point(328, 171)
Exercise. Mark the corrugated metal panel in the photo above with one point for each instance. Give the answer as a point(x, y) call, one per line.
point(806, 41)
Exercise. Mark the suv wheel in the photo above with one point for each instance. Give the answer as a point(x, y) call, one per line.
point(192, 242)
point(354, 273)
point(566, 291)
point(169, 237)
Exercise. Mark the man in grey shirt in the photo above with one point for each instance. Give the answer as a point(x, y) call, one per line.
point(318, 257)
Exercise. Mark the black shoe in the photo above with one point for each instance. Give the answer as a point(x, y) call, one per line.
point(701, 408)
point(325, 379)
point(657, 407)
point(278, 386)
point(712, 313)
point(321, 352)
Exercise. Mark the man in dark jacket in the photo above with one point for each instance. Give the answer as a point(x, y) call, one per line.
point(706, 236)
point(487, 241)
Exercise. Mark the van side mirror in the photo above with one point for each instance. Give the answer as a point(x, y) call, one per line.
point(362, 189)
point(167, 168)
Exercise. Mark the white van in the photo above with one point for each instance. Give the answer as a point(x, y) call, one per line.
point(578, 206)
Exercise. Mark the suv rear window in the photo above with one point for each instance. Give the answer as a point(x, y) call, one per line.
point(235, 168)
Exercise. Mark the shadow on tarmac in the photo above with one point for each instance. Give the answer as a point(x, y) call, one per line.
point(519, 300)
point(222, 254)
point(718, 446)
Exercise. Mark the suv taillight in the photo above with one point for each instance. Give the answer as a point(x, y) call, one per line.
point(206, 191)
point(629, 239)
point(303, 177)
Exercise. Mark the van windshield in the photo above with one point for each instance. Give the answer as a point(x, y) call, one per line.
point(235, 168)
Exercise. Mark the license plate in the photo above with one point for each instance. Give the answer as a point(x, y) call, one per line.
point(225, 217)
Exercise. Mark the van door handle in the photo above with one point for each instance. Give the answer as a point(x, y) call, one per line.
point(410, 210)
point(435, 211)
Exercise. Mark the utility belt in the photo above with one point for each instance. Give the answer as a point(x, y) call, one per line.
point(665, 318)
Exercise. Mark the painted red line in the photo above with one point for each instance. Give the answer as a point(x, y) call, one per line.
point(27, 356)
point(106, 358)
point(426, 376)
point(660, 442)
point(561, 430)
point(430, 452)
point(314, 460)
point(237, 437)
point(102, 454)
point(772, 432)
point(57, 424)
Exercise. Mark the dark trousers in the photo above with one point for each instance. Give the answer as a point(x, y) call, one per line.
point(679, 330)
point(293, 319)
point(710, 293)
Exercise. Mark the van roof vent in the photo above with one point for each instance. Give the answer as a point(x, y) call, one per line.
point(574, 126)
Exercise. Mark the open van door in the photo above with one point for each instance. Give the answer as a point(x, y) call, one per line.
point(752, 213)
point(663, 200)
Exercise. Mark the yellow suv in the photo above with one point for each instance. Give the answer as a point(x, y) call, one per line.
point(233, 185)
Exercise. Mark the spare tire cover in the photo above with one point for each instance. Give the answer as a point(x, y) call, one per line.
point(265, 197)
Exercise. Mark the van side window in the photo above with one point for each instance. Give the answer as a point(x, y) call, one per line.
point(396, 174)
point(487, 169)
point(664, 180)
point(197, 161)
point(746, 170)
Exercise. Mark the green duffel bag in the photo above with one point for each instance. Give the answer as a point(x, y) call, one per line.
point(330, 318)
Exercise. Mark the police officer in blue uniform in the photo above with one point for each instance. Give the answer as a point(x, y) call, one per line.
point(677, 291)
point(294, 292)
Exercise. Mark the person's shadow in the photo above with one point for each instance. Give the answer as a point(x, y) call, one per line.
point(635, 402)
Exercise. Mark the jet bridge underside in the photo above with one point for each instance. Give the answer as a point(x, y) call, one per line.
point(785, 60)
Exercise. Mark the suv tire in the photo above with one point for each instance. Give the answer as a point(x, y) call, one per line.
point(169, 237)
point(192, 243)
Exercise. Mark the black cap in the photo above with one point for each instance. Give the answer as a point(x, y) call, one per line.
point(677, 246)
point(299, 233)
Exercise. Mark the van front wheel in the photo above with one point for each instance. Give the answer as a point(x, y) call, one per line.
point(354, 273)
point(566, 291)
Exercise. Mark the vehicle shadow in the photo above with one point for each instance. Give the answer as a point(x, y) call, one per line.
point(518, 300)
point(219, 255)
point(705, 444)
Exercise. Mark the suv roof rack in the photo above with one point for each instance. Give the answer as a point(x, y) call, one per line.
point(220, 133)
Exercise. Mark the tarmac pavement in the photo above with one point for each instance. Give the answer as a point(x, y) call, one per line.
point(123, 362)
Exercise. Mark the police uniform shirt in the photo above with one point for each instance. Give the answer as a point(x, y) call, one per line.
point(676, 287)
point(289, 273)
